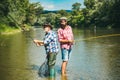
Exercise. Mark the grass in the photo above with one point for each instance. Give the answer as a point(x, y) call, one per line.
point(4, 29)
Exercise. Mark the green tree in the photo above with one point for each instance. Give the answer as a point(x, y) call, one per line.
point(4, 10)
point(89, 4)
point(76, 6)
point(33, 13)
point(77, 17)
point(18, 10)
point(62, 12)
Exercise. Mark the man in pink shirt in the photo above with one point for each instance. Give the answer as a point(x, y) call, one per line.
point(65, 37)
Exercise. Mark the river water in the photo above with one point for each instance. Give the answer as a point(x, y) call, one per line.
point(93, 57)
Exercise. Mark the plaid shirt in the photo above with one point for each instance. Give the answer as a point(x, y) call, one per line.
point(50, 42)
point(65, 34)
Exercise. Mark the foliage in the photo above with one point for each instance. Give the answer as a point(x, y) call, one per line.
point(63, 12)
point(102, 13)
point(99, 13)
point(33, 13)
point(13, 13)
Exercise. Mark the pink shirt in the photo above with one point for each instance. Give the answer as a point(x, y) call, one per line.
point(65, 34)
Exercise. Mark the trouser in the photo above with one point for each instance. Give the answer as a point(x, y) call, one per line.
point(51, 63)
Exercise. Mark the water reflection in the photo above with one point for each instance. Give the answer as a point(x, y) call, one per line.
point(64, 77)
point(13, 57)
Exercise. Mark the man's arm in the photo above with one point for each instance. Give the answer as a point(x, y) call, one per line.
point(66, 41)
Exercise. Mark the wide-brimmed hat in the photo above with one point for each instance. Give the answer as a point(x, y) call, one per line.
point(47, 25)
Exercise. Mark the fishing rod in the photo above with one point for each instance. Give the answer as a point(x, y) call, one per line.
point(103, 36)
point(25, 30)
point(22, 27)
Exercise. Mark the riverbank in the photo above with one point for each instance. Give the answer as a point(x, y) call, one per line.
point(9, 31)
point(6, 30)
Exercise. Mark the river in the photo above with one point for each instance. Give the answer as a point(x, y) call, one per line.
point(95, 56)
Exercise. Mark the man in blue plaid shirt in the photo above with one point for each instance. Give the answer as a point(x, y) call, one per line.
point(51, 47)
point(50, 41)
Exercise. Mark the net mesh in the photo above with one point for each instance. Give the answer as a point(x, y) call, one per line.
point(43, 70)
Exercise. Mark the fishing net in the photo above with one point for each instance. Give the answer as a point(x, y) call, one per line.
point(43, 70)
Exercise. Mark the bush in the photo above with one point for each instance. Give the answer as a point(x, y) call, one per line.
point(6, 28)
point(12, 24)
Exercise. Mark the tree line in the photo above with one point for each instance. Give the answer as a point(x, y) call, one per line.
point(100, 13)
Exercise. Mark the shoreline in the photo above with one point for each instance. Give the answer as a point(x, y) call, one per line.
point(13, 31)
point(10, 32)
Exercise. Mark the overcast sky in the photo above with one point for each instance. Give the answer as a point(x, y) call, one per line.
point(58, 4)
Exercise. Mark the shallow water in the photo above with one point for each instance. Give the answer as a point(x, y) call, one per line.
point(92, 59)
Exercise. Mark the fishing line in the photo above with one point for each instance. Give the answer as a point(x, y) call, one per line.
point(103, 36)
point(43, 69)
point(25, 31)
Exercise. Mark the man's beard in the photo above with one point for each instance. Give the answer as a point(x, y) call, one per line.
point(63, 26)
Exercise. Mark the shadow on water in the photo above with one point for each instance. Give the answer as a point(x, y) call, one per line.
point(93, 59)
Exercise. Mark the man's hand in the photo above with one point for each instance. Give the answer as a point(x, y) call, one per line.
point(67, 41)
point(38, 42)
point(71, 41)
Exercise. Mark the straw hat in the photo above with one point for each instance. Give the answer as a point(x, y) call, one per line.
point(63, 18)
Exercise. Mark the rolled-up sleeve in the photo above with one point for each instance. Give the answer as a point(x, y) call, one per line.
point(60, 37)
point(70, 34)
